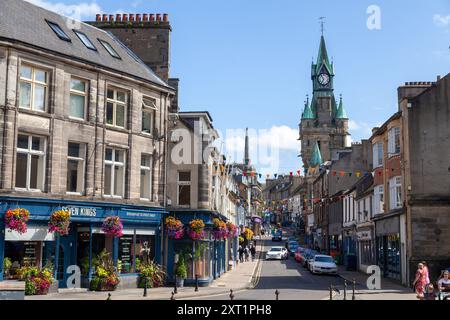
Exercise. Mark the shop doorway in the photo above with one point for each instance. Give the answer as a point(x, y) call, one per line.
point(66, 257)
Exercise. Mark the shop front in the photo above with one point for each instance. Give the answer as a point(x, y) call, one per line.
point(335, 242)
point(366, 247)
point(388, 247)
point(349, 247)
point(84, 241)
point(205, 258)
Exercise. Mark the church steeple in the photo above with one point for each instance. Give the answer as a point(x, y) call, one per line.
point(307, 112)
point(246, 153)
point(341, 114)
point(322, 57)
point(316, 157)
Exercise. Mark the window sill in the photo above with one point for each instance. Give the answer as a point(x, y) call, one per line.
point(74, 193)
point(34, 112)
point(28, 190)
point(112, 197)
point(115, 128)
point(78, 120)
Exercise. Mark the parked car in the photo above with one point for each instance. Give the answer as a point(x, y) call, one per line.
point(323, 264)
point(310, 257)
point(277, 235)
point(278, 253)
point(298, 254)
point(292, 247)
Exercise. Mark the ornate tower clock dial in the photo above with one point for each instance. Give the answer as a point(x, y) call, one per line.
point(324, 79)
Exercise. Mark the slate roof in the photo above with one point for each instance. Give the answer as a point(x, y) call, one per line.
point(23, 22)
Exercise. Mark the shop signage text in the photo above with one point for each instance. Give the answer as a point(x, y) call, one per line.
point(81, 211)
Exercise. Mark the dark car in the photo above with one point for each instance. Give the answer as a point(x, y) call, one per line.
point(277, 236)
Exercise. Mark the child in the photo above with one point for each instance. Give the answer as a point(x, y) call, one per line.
point(429, 293)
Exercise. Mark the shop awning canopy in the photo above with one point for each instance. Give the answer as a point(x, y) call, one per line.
point(35, 233)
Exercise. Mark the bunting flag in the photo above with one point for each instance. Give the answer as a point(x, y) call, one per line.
point(275, 175)
point(358, 174)
point(291, 174)
point(252, 174)
point(260, 175)
point(298, 172)
point(268, 176)
point(342, 173)
point(244, 174)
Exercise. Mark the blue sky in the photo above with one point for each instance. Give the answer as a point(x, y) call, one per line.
point(248, 61)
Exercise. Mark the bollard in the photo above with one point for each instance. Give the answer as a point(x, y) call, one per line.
point(172, 297)
point(145, 286)
point(331, 292)
point(175, 289)
point(277, 293)
point(354, 286)
point(196, 282)
point(109, 296)
point(345, 289)
point(231, 294)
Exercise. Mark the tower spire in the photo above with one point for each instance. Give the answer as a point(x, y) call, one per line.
point(316, 158)
point(246, 153)
point(322, 22)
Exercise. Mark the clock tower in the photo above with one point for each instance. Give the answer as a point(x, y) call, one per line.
point(324, 123)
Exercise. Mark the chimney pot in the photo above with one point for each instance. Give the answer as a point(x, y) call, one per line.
point(118, 17)
point(138, 17)
point(158, 17)
point(438, 77)
point(125, 17)
point(111, 18)
point(105, 17)
point(166, 17)
point(131, 15)
point(152, 18)
point(145, 17)
point(98, 17)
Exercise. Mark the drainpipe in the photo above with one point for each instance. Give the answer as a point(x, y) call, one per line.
point(3, 168)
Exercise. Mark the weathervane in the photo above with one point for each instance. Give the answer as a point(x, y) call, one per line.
point(322, 22)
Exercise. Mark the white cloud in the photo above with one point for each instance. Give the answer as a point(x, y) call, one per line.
point(353, 125)
point(441, 21)
point(80, 11)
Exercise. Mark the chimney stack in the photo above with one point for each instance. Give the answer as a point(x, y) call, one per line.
point(118, 17)
point(165, 17)
point(158, 17)
point(438, 78)
point(111, 18)
point(145, 17)
point(131, 17)
point(152, 17)
point(125, 17)
point(138, 17)
point(105, 18)
point(98, 17)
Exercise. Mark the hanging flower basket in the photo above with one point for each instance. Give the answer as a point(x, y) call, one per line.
point(196, 229)
point(59, 222)
point(16, 219)
point(175, 228)
point(232, 230)
point(220, 230)
point(112, 226)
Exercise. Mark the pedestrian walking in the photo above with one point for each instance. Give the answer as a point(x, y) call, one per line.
point(241, 254)
point(444, 284)
point(247, 253)
point(427, 273)
point(420, 281)
point(253, 252)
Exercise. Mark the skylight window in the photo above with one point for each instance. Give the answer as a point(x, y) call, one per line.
point(59, 32)
point(110, 49)
point(84, 38)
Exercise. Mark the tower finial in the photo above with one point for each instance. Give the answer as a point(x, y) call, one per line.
point(322, 22)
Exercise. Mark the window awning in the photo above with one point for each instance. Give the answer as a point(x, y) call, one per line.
point(34, 233)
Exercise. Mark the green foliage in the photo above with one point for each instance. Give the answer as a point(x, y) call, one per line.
point(153, 274)
point(94, 284)
point(30, 288)
point(181, 270)
point(7, 264)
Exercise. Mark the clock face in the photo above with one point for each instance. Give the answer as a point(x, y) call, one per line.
point(324, 79)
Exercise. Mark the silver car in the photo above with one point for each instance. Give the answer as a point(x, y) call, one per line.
point(277, 253)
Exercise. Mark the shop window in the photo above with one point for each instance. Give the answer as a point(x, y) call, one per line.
point(202, 258)
point(126, 254)
point(114, 181)
point(144, 249)
point(33, 88)
point(116, 107)
point(30, 162)
point(75, 167)
point(184, 188)
point(78, 98)
point(146, 176)
point(148, 114)
point(378, 199)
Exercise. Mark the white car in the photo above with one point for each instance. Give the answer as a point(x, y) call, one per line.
point(278, 253)
point(323, 264)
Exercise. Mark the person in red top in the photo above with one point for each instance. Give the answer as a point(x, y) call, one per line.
point(420, 281)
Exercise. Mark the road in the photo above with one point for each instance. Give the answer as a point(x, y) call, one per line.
point(292, 281)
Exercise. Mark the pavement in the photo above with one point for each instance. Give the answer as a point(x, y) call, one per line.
point(240, 278)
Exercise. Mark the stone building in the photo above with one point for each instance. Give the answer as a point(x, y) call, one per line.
point(84, 124)
point(425, 108)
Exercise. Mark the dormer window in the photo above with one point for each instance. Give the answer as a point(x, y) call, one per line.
point(59, 32)
point(110, 49)
point(86, 41)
